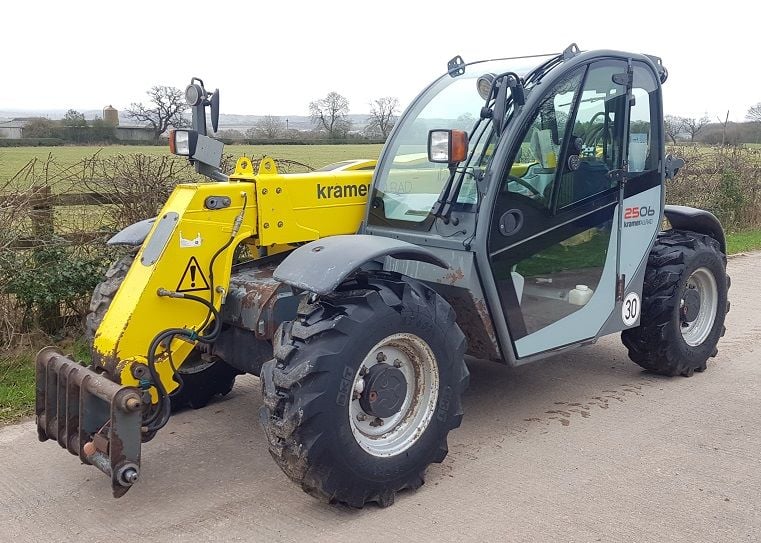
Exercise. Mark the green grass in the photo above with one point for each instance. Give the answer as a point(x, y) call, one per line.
point(740, 242)
point(12, 159)
point(16, 388)
point(17, 380)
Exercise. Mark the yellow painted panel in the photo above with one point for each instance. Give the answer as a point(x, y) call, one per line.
point(279, 211)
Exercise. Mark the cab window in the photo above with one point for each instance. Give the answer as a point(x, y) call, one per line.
point(531, 175)
point(596, 140)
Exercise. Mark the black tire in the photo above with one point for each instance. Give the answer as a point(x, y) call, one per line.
point(201, 381)
point(308, 388)
point(658, 344)
point(104, 293)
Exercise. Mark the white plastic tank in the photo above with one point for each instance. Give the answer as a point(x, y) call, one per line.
point(580, 295)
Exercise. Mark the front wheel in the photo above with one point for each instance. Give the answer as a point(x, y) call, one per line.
point(684, 302)
point(364, 388)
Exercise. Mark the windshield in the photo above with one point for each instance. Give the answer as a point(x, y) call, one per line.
point(407, 185)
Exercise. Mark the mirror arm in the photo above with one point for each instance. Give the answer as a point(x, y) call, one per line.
point(452, 193)
point(444, 195)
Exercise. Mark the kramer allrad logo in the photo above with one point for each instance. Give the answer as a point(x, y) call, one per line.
point(342, 191)
point(641, 216)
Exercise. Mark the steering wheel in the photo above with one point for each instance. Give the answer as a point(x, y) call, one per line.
point(598, 134)
point(591, 121)
point(527, 185)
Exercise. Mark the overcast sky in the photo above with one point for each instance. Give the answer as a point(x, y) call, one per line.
point(275, 57)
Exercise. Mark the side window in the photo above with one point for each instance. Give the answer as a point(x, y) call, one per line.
point(596, 141)
point(643, 138)
point(533, 170)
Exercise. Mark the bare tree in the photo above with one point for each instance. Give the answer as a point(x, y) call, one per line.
point(229, 134)
point(724, 128)
point(330, 114)
point(694, 126)
point(382, 116)
point(754, 113)
point(269, 127)
point(74, 119)
point(673, 126)
point(39, 128)
point(165, 110)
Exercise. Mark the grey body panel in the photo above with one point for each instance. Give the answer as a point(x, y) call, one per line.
point(208, 151)
point(134, 235)
point(321, 265)
point(697, 220)
point(159, 239)
point(459, 285)
point(636, 281)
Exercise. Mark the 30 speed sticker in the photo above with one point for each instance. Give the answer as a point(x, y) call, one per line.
point(630, 309)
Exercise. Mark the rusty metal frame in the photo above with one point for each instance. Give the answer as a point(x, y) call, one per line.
point(256, 301)
point(90, 416)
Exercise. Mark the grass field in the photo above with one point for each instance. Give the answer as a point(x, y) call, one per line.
point(12, 159)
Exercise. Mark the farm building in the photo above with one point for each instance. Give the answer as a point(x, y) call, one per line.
point(126, 132)
point(12, 129)
point(135, 133)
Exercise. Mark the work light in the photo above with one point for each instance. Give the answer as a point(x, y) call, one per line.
point(183, 142)
point(194, 94)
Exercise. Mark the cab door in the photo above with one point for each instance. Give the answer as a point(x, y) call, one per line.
point(553, 235)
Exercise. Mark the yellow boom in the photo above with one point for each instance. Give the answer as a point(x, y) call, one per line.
point(189, 252)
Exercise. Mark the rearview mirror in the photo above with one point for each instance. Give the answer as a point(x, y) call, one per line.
point(215, 110)
point(447, 146)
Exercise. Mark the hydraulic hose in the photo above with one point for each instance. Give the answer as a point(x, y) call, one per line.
point(163, 412)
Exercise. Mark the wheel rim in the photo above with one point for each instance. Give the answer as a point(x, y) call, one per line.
point(395, 434)
point(703, 283)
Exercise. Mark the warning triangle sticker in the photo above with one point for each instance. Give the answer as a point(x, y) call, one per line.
point(192, 278)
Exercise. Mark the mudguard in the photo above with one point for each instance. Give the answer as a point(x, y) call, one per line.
point(697, 220)
point(134, 235)
point(320, 266)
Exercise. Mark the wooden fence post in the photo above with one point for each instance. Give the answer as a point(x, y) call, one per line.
point(43, 231)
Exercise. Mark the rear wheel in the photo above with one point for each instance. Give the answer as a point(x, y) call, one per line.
point(201, 380)
point(684, 302)
point(364, 388)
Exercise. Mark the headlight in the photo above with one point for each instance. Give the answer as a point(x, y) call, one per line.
point(438, 146)
point(183, 142)
point(447, 146)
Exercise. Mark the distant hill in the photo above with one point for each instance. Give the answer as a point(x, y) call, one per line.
point(229, 121)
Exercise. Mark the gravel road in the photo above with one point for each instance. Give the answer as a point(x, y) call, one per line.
point(583, 447)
